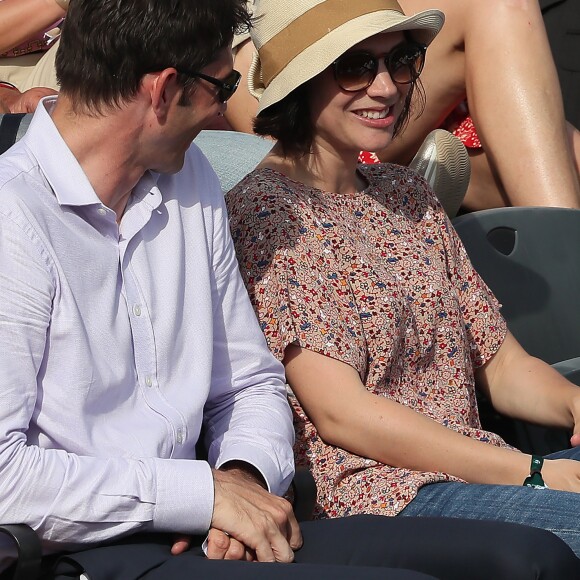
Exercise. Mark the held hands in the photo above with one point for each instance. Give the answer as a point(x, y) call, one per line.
point(248, 522)
point(220, 546)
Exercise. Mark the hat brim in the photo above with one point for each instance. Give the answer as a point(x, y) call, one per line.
point(423, 27)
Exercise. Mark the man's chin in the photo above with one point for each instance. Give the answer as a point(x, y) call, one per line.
point(170, 168)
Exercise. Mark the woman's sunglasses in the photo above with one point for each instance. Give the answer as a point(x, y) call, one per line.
point(226, 87)
point(355, 71)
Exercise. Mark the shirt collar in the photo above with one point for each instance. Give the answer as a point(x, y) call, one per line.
point(61, 168)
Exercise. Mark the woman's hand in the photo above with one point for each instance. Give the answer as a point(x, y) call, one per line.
point(575, 410)
point(562, 474)
point(221, 546)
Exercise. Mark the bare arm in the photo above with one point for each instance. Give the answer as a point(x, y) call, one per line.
point(443, 79)
point(348, 416)
point(22, 19)
point(516, 103)
point(497, 54)
point(524, 387)
point(13, 101)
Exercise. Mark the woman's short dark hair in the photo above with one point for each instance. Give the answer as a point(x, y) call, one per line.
point(108, 45)
point(290, 123)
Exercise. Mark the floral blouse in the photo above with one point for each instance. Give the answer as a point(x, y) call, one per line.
point(380, 281)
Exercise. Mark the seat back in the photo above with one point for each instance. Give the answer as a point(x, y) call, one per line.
point(530, 258)
point(232, 154)
point(12, 128)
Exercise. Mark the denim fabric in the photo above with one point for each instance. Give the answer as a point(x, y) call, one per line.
point(549, 509)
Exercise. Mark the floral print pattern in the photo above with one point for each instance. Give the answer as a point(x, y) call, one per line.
point(380, 281)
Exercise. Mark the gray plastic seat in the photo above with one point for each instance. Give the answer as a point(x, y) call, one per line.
point(12, 128)
point(530, 258)
point(232, 155)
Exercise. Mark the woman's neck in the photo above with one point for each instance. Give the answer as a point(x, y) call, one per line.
point(321, 169)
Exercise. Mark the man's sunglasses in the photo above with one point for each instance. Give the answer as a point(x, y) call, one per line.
point(226, 87)
point(355, 71)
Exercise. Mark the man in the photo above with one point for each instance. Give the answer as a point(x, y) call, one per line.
point(125, 329)
point(128, 329)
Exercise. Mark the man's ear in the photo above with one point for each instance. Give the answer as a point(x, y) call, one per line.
point(163, 89)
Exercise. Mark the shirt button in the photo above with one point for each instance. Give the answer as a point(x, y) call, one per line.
point(102, 211)
point(137, 310)
point(148, 381)
point(180, 437)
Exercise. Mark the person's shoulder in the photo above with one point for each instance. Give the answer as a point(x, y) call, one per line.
point(403, 187)
point(392, 176)
point(262, 184)
point(195, 182)
point(21, 178)
point(265, 203)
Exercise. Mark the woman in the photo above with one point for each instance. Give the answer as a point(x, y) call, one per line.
point(366, 294)
point(496, 54)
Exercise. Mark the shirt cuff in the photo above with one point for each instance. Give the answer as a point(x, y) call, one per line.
point(185, 496)
point(269, 469)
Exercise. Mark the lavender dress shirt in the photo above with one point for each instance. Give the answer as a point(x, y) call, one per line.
point(116, 342)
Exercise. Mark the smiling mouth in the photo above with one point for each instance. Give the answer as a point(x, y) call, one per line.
point(373, 114)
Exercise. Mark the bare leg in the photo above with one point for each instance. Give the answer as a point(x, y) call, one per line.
point(486, 190)
point(516, 103)
point(498, 52)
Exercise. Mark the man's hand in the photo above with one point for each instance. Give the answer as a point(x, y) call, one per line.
point(13, 101)
point(251, 518)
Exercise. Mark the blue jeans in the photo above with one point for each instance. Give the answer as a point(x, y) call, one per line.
point(549, 509)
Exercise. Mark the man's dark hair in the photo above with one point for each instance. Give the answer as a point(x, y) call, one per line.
point(108, 45)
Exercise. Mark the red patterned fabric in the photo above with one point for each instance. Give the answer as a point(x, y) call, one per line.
point(368, 157)
point(380, 281)
point(461, 125)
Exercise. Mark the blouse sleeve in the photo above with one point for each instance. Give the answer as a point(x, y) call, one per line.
point(484, 325)
point(295, 285)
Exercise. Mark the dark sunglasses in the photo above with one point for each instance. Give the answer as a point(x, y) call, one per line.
point(226, 87)
point(355, 71)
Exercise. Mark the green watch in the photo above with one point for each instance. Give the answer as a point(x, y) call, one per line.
point(535, 478)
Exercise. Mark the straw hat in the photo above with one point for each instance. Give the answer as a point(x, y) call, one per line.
point(298, 39)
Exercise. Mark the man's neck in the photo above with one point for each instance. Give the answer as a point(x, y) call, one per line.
point(106, 147)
